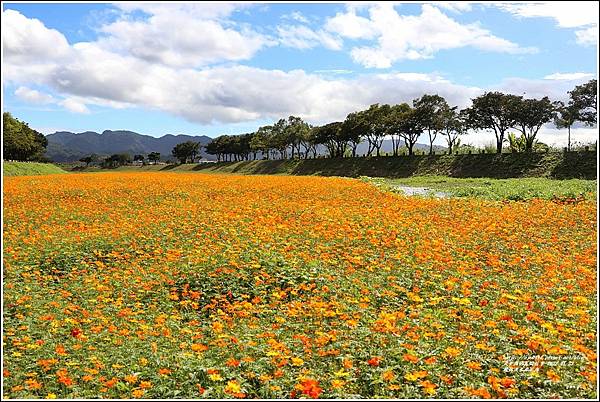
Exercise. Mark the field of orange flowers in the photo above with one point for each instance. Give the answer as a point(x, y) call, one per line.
point(159, 285)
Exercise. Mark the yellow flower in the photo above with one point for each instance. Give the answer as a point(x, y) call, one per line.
point(337, 383)
point(232, 387)
point(452, 351)
point(416, 375)
point(51, 396)
point(215, 377)
point(217, 327)
point(341, 373)
point(296, 361)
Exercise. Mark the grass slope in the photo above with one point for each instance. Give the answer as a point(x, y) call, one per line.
point(557, 165)
point(580, 165)
point(29, 169)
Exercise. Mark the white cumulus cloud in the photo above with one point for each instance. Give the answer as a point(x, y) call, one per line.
point(183, 35)
point(100, 73)
point(412, 37)
point(75, 106)
point(33, 96)
point(567, 14)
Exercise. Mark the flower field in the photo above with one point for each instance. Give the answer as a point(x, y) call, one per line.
point(184, 285)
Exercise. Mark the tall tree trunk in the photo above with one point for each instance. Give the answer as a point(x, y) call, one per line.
point(569, 138)
point(430, 143)
point(499, 144)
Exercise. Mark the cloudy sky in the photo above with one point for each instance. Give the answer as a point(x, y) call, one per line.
point(215, 68)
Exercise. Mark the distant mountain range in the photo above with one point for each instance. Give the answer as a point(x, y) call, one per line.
point(64, 146)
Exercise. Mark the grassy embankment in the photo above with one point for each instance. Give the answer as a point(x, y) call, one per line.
point(29, 169)
point(557, 165)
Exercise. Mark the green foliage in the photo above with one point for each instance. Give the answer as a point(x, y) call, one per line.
point(353, 129)
point(117, 160)
point(530, 115)
point(585, 100)
point(430, 110)
point(186, 151)
point(20, 142)
point(454, 124)
point(89, 159)
point(331, 135)
point(154, 157)
point(406, 123)
point(494, 111)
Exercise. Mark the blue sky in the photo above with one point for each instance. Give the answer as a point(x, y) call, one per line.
point(209, 69)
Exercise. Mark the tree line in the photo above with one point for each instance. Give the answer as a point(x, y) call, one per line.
point(403, 124)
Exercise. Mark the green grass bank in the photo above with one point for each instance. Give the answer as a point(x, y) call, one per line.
point(556, 165)
point(29, 169)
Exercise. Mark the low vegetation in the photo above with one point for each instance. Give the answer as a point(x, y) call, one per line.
point(519, 189)
point(29, 169)
point(559, 165)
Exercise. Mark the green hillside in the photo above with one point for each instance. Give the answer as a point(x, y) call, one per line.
point(29, 169)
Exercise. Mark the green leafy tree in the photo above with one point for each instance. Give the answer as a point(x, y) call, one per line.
point(585, 98)
point(20, 142)
point(280, 137)
point(117, 160)
point(430, 110)
point(89, 159)
point(494, 111)
point(310, 142)
point(261, 141)
point(154, 157)
point(375, 119)
point(329, 135)
point(530, 115)
point(394, 125)
point(454, 126)
point(296, 132)
point(406, 123)
point(353, 129)
point(566, 116)
point(186, 151)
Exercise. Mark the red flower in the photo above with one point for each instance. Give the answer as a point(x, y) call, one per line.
point(76, 332)
point(374, 361)
point(311, 388)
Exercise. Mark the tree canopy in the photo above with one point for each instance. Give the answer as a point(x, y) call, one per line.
point(584, 98)
point(20, 142)
point(186, 151)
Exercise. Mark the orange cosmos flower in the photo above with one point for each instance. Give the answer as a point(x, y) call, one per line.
point(374, 361)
